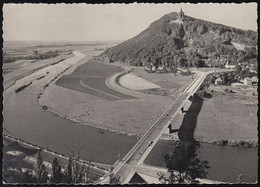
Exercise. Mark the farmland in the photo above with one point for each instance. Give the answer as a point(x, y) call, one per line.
point(167, 80)
point(99, 106)
point(168, 83)
point(227, 116)
point(134, 82)
point(93, 75)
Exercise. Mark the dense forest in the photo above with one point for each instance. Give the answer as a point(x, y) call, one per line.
point(182, 41)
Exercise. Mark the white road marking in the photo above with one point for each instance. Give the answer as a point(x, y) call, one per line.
point(98, 90)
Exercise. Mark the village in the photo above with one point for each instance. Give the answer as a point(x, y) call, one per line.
point(244, 80)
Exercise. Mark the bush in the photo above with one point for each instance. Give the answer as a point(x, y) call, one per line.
point(44, 107)
point(223, 142)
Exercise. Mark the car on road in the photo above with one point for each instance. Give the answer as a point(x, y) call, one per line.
point(150, 143)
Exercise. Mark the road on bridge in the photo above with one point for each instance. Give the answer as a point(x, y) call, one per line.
point(143, 147)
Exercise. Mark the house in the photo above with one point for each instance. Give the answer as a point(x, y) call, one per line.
point(178, 72)
point(160, 67)
point(227, 66)
point(218, 81)
point(148, 67)
point(247, 81)
point(237, 77)
point(244, 65)
point(168, 69)
point(238, 85)
point(153, 68)
point(241, 81)
point(253, 68)
point(254, 79)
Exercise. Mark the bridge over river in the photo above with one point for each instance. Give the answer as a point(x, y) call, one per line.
point(134, 159)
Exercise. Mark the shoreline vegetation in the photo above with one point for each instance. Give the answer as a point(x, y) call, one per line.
point(35, 56)
point(234, 143)
point(224, 142)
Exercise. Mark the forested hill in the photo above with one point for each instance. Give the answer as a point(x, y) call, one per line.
point(176, 40)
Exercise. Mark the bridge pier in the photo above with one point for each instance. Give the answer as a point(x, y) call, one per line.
point(186, 106)
point(172, 130)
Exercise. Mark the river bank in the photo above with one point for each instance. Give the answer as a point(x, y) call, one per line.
point(226, 162)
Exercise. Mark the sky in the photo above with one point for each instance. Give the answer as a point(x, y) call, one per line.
point(110, 22)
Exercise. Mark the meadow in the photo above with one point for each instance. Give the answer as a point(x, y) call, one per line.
point(227, 116)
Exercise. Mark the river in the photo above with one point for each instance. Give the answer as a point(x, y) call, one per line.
point(225, 162)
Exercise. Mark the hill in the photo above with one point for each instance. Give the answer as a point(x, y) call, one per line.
point(176, 40)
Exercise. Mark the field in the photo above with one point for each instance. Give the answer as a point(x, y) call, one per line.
point(21, 48)
point(19, 69)
point(90, 78)
point(227, 116)
point(134, 82)
point(167, 80)
point(9, 67)
point(98, 105)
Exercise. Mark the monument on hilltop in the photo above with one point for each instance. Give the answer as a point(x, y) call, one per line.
point(181, 14)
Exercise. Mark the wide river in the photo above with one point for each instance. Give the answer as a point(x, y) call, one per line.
point(25, 119)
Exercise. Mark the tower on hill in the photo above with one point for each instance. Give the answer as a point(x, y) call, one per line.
point(181, 14)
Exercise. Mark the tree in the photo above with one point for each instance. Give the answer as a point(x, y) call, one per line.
point(56, 171)
point(198, 62)
point(87, 174)
point(40, 173)
point(225, 78)
point(202, 29)
point(68, 172)
point(29, 178)
point(183, 164)
point(74, 172)
point(238, 68)
point(181, 31)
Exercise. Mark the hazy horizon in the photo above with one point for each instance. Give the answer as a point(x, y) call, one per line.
point(110, 22)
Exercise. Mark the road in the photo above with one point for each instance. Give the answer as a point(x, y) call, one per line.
point(143, 147)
